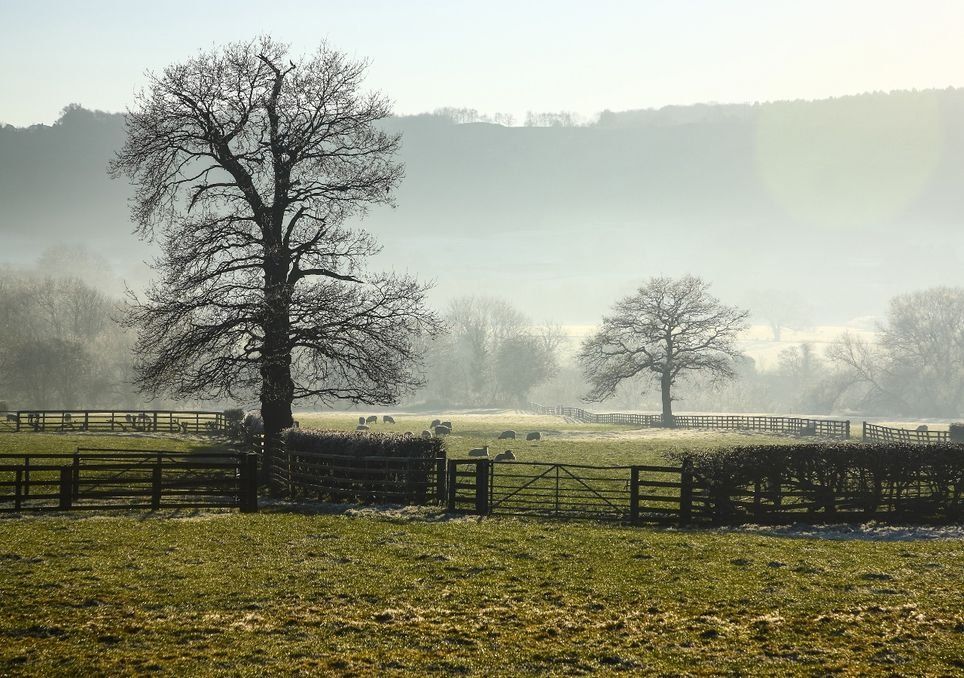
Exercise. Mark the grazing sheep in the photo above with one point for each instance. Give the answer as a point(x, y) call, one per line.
point(426, 435)
point(361, 421)
point(12, 418)
point(442, 430)
point(408, 434)
point(533, 435)
point(446, 424)
point(505, 456)
point(507, 435)
point(479, 452)
point(372, 419)
point(922, 428)
point(435, 422)
point(362, 427)
point(388, 419)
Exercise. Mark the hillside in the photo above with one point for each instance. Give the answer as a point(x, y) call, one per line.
point(856, 198)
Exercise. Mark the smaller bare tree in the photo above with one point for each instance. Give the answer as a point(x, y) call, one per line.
point(667, 328)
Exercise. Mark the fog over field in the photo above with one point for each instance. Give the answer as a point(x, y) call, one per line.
point(832, 206)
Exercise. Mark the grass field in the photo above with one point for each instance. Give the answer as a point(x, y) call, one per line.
point(284, 593)
point(563, 442)
point(413, 592)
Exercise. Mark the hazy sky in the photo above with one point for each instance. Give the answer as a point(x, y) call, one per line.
point(497, 55)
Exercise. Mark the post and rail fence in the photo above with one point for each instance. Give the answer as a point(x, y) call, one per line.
point(830, 428)
point(114, 421)
point(104, 479)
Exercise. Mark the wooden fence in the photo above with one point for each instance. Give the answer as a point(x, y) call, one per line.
point(97, 479)
point(113, 421)
point(634, 494)
point(831, 428)
point(359, 478)
point(679, 495)
point(874, 433)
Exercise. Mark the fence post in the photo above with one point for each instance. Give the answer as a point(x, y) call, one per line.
point(86, 420)
point(863, 432)
point(18, 422)
point(66, 478)
point(248, 481)
point(156, 485)
point(634, 495)
point(451, 485)
point(847, 429)
point(18, 489)
point(440, 479)
point(686, 492)
point(26, 476)
point(482, 487)
point(76, 475)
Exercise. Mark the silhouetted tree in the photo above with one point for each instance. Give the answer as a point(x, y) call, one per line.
point(247, 164)
point(667, 328)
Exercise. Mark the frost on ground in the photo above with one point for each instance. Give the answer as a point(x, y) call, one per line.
point(866, 532)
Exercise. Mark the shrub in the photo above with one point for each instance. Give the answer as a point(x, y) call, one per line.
point(772, 482)
point(956, 432)
point(233, 422)
point(360, 466)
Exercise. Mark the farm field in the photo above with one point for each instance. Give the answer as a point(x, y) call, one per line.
point(348, 590)
point(562, 441)
point(412, 592)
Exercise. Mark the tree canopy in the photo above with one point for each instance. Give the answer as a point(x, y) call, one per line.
point(667, 328)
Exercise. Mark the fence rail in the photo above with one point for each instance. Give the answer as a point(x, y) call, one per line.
point(831, 428)
point(887, 434)
point(98, 479)
point(113, 421)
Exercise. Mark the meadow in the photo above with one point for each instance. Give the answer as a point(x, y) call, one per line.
point(308, 589)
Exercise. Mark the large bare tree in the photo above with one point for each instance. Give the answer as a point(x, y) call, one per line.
point(247, 164)
point(667, 328)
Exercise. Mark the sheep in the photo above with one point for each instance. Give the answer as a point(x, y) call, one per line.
point(507, 435)
point(442, 430)
point(372, 419)
point(426, 435)
point(505, 456)
point(12, 418)
point(362, 427)
point(533, 435)
point(922, 428)
point(446, 424)
point(435, 422)
point(408, 434)
point(388, 419)
point(361, 421)
point(479, 452)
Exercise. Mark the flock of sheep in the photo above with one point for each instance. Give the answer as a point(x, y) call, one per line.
point(440, 428)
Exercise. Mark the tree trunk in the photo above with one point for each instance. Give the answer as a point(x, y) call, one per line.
point(665, 382)
point(277, 387)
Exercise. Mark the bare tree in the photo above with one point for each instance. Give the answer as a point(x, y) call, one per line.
point(917, 367)
point(667, 328)
point(247, 163)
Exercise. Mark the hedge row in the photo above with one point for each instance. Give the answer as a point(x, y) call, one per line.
point(893, 481)
point(361, 444)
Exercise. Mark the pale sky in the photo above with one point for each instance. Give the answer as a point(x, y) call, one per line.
point(496, 56)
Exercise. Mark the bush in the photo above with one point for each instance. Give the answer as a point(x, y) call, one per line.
point(233, 422)
point(360, 466)
point(361, 444)
point(956, 432)
point(772, 482)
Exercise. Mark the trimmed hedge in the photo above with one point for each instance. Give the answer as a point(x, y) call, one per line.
point(361, 443)
point(837, 481)
point(354, 466)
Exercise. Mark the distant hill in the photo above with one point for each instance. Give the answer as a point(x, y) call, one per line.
point(845, 201)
